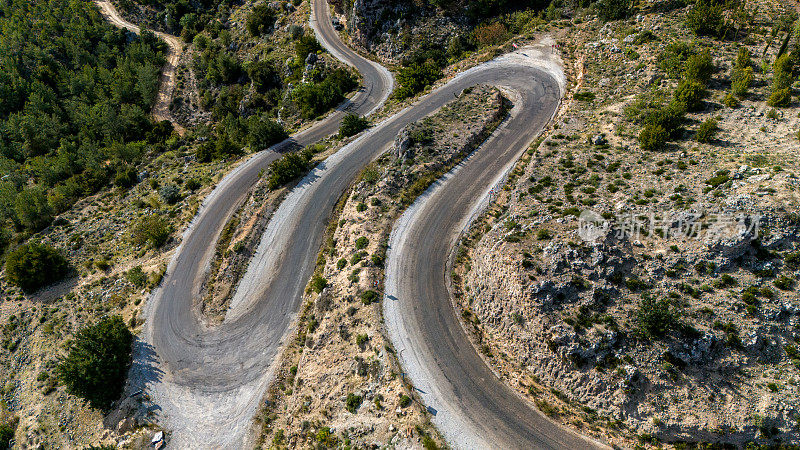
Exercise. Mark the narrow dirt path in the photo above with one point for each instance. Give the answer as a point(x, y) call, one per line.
point(167, 81)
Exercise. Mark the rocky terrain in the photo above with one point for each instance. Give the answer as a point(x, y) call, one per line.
point(340, 383)
point(649, 296)
point(113, 273)
point(394, 30)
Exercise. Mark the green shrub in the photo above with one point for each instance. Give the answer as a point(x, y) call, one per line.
point(6, 435)
point(731, 101)
point(296, 31)
point(32, 210)
point(405, 401)
point(286, 169)
point(5, 239)
point(741, 80)
point(362, 242)
point(427, 442)
point(313, 99)
point(326, 437)
point(318, 283)
point(726, 280)
point(261, 20)
point(690, 94)
point(352, 124)
point(264, 132)
point(721, 177)
point(742, 74)
point(98, 361)
point(415, 78)
point(609, 10)
point(136, 276)
point(780, 98)
point(305, 45)
point(783, 71)
point(792, 260)
point(655, 317)
point(673, 58)
point(706, 131)
point(699, 67)
point(782, 81)
point(151, 229)
point(170, 193)
point(353, 402)
point(32, 266)
point(263, 75)
point(193, 184)
point(584, 96)
point(368, 297)
point(669, 117)
point(705, 18)
point(784, 283)
point(126, 176)
point(653, 138)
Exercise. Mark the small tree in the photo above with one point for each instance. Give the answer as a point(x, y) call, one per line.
point(33, 266)
point(261, 20)
point(707, 130)
point(699, 67)
point(352, 124)
point(265, 132)
point(741, 80)
point(782, 81)
point(286, 169)
point(151, 229)
point(691, 95)
point(415, 78)
point(170, 193)
point(304, 45)
point(653, 138)
point(609, 10)
point(705, 18)
point(98, 361)
point(655, 317)
point(32, 210)
point(742, 74)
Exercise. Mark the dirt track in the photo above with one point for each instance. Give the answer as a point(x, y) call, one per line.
point(167, 81)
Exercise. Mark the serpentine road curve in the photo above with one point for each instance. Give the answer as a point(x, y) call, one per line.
point(469, 404)
point(204, 384)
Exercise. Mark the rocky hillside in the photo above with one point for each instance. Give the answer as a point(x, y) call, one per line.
point(648, 292)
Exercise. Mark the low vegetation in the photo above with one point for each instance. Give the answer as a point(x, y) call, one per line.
point(32, 266)
point(98, 361)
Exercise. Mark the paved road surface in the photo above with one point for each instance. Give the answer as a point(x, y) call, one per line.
point(204, 384)
point(472, 407)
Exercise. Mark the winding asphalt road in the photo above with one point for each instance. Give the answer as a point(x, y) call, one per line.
point(470, 405)
point(204, 383)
